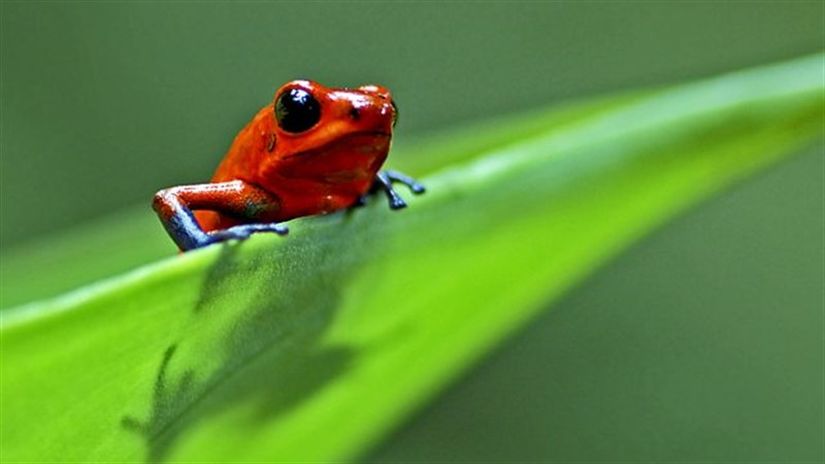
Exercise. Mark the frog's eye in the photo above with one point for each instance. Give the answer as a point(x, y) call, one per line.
point(394, 113)
point(297, 110)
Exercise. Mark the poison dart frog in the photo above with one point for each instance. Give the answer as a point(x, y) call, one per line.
point(314, 150)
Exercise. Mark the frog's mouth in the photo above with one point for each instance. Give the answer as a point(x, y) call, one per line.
point(357, 142)
point(354, 158)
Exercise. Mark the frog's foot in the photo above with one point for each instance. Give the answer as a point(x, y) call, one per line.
point(414, 186)
point(242, 232)
point(384, 181)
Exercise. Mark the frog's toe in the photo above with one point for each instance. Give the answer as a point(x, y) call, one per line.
point(224, 235)
point(275, 227)
point(242, 232)
point(279, 229)
point(414, 186)
point(397, 203)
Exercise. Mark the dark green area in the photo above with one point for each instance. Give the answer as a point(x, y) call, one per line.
point(105, 103)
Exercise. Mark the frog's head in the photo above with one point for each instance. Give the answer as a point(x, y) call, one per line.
point(310, 117)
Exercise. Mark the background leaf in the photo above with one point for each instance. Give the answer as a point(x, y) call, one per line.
point(309, 348)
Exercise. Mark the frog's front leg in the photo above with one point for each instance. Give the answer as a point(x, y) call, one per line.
point(384, 181)
point(236, 198)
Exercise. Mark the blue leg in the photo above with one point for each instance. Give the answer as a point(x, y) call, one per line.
point(414, 186)
point(175, 205)
point(384, 181)
point(243, 231)
point(184, 230)
point(187, 234)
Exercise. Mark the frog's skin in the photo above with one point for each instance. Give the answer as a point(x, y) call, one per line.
point(314, 150)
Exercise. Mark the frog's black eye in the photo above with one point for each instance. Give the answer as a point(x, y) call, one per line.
point(297, 110)
point(394, 113)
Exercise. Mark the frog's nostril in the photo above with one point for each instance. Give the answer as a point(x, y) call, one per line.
point(355, 113)
point(381, 92)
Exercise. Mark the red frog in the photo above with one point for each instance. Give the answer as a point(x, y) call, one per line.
point(314, 150)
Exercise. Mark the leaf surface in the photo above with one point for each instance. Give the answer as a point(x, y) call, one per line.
point(310, 348)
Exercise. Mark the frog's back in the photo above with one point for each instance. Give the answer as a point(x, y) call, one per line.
point(240, 162)
point(247, 151)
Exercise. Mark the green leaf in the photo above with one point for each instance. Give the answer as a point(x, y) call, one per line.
point(310, 348)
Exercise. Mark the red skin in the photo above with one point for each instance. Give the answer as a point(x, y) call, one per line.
point(327, 168)
point(271, 175)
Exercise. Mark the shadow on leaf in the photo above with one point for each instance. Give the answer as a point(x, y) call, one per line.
point(270, 309)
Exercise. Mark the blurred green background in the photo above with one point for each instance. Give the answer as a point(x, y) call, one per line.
point(705, 342)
